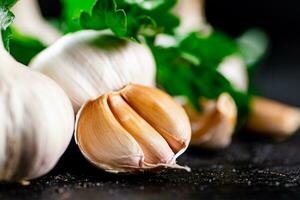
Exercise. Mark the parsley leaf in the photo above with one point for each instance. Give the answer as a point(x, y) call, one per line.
point(125, 18)
point(105, 15)
point(210, 49)
point(72, 10)
point(6, 18)
point(253, 45)
point(18, 42)
point(7, 3)
point(194, 62)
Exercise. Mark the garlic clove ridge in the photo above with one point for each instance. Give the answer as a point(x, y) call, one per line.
point(114, 136)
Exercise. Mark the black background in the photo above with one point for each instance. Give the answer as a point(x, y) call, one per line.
point(280, 19)
point(251, 168)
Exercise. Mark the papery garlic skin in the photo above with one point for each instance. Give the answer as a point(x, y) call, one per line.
point(90, 63)
point(36, 122)
point(118, 133)
point(213, 127)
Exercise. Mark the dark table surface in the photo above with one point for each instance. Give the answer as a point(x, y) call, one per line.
point(251, 168)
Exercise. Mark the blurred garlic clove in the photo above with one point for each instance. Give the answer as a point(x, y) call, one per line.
point(117, 133)
point(234, 69)
point(90, 63)
point(29, 20)
point(214, 126)
point(36, 121)
point(192, 16)
point(272, 118)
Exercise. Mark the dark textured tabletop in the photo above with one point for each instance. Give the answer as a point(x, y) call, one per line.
point(251, 168)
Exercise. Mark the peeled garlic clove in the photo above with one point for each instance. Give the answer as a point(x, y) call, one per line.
point(36, 121)
point(214, 126)
point(114, 136)
point(90, 63)
point(165, 116)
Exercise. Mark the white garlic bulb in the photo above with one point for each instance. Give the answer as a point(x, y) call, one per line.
point(234, 69)
point(134, 129)
point(90, 63)
point(29, 20)
point(36, 121)
point(192, 16)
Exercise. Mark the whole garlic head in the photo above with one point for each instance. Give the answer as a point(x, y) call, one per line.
point(36, 121)
point(90, 63)
point(134, 129)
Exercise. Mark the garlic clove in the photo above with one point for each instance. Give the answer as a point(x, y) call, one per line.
point(214, 126)
point(222, 129)
point(102, 139)
point(162, 112)
point(114, 136)
point(90, 63)
point(154, 146)
point(272, 118)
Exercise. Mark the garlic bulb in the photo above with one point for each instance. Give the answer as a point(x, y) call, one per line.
point(192, 16)
point(234, 69)
point(214, 126)
point(134, 129)
point(90, 63)
point(29, 20)
point(36, 121)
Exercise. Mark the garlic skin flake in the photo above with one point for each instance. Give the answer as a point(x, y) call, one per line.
point(36, 121)
point(135, 129)
point(89, 63)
